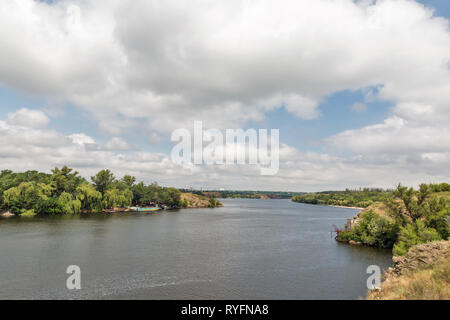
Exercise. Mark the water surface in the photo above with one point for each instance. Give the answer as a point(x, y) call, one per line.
point(249, 249)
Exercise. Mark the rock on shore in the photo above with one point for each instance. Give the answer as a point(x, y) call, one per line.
point(6, 214)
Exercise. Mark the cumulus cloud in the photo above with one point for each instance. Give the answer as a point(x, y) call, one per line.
point(170, 62)
point(81, 139)
point(164, 64)
point(119, 144)
point(42, 149)
point(28, 118)
point(395, 136)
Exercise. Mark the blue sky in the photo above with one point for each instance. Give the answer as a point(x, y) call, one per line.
point(343, 98)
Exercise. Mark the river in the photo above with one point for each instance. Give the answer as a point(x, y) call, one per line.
point(249, 249)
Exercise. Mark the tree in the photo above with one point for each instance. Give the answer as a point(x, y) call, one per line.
point(90, 199)
point(64, 180)
point(170, 197)
point(116, 198)
point(408, 206)
point(129, 180)
point(103, 180)
point(27, 196)
point(68, 204)
point(141, 194)
point(424, 191)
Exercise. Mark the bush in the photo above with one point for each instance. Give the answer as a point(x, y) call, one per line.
point(27, 213)
point(347, 235)
point(413, 234)
point(441, 222)
point(49, 206)
point(372, 230)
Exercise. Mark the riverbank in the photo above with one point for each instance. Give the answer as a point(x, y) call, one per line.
point(63, 191)
point(424, 273)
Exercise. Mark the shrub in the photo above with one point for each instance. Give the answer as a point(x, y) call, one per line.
point(372, 230)
point(413, 234)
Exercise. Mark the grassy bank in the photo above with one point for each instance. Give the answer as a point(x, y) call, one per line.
point(423, 273)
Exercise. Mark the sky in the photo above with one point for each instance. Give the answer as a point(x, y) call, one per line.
point(359, 90)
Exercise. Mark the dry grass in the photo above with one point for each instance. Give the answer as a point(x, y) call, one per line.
point(424, 274)
point(379, 208)
point(195, 201)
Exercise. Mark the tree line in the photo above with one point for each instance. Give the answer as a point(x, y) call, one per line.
point(349, 198)
point(64, 191)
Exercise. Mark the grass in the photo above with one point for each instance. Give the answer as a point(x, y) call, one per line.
point(424, 276)
point(28, 213)
point(427, 284)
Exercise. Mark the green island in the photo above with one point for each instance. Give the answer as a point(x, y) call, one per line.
point(415, 224)
point(64, 191)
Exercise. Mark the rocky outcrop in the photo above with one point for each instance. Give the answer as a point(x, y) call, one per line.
point(419, 257)
point(197, 201)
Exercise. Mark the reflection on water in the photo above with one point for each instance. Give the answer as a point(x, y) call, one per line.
point(249, 249)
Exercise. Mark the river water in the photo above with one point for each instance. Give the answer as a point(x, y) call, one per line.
point(249, 249)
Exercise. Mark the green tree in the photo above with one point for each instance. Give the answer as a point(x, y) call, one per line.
point(117, 198)
point(68, 204)
point(424, 191)
point(90, 199)
point(129, 180)
point(103, 180)
point(141, 194)
point(65, 180)
point(27, 196)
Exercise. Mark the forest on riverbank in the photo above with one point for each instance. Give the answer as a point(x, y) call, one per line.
point(64, 191)
point(405, 218)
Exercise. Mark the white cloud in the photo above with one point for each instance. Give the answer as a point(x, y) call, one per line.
point(81, 139)
point(170, 62)
point(119, 144)
point(395, 136)
point(42, 149)
point(28, 118)
point(163, 64)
